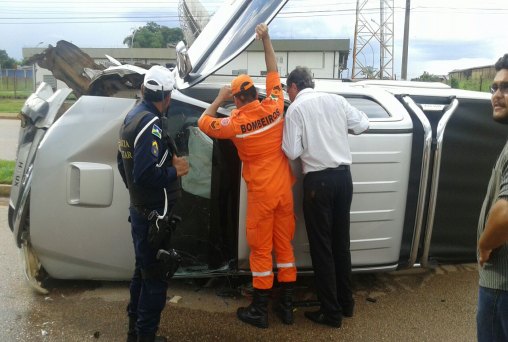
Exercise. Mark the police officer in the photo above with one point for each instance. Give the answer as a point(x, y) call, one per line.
point(150, 171)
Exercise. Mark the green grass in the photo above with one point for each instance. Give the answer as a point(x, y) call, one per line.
point(6, 171)
point(11, 105)
point(471, 84)
point(9, 94)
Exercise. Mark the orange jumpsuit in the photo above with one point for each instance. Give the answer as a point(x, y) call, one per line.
point(256, 131)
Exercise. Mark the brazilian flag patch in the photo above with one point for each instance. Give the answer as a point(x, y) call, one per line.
point(155, 148)
point(157, 131)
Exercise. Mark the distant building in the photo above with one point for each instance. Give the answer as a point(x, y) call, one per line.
point(327, 58)
point(486, 72)
point(476, 78)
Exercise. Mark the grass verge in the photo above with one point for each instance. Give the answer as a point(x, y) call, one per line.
point(11, 105)
point(9, 94)
point(6, 171)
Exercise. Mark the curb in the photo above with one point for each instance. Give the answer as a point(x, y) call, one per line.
point(5, 190)
point(9, 117)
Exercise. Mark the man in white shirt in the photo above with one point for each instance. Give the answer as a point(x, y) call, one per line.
point(316, 130)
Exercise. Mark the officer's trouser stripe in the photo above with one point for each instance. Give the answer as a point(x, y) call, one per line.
point(262, 274)
point(286, 265)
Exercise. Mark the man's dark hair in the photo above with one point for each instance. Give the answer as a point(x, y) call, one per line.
point(248, 95)
point(302, 77)
point(502, 63)
point(154, 96)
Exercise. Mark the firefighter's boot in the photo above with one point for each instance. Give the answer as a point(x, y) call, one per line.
point(256, 313)
point(284, 307)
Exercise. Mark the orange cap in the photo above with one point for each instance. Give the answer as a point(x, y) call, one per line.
point(241, 83)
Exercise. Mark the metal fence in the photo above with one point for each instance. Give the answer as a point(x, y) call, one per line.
point(16, 82)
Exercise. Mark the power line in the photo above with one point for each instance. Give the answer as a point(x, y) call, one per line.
point(95, 16)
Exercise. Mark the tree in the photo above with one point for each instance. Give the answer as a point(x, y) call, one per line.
point(369, 71)
point(7, 62)
point(426, 77)
point(454, 83)
point(154, 35)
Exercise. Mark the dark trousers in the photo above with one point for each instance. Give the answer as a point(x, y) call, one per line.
point(492, 315)
point(147, 296)
point(326, 205)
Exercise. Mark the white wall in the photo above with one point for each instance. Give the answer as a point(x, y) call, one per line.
point(253, 63)
point(39, 77)
point(321, 63)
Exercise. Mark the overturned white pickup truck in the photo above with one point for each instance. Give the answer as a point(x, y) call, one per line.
point(420, 174)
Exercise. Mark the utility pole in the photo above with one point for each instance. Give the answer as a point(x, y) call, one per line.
point(381, 39)
point(355, 46)
point(406, 41)
point(134, 30)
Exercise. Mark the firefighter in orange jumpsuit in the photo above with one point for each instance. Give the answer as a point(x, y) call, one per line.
point(256, 130)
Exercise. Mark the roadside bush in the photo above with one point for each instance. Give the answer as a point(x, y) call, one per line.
point(6, 171)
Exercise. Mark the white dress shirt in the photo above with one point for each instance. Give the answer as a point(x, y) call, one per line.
point(316, 130)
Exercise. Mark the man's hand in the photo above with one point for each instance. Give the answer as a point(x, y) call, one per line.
point(181, 165)
point(495, 233)
point(224, 94)
point(484, 256)
point(262, 32)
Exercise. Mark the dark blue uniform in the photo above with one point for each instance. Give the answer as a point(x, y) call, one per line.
point(144, 162)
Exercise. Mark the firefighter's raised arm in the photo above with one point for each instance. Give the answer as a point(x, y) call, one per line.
point(262, 33)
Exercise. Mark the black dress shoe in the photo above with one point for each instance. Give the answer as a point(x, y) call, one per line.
point(320, 318)
point(347, 311)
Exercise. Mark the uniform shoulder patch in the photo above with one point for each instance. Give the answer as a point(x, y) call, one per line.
point(214, 124)
point(157, 131)
point(225, 121)
point(275, 94)
point(155, 148)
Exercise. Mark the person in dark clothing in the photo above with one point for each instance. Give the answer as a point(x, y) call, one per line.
point(492, 312)
point(150, 170)
point(316, 131)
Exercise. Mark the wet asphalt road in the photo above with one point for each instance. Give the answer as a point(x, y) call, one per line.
point(9, 131)
point(416, 305)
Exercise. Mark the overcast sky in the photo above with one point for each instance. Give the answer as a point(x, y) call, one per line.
point(444, 35)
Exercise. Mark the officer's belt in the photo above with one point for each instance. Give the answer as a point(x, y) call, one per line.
point(147, 213)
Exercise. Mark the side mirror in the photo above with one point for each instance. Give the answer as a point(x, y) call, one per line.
point(183, 62)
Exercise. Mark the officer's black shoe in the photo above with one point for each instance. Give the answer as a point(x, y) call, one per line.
point(151, 338)
point(348, 310)
point(256, 313)
point(284, 308)
point(132, 336)
point(321, 318)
